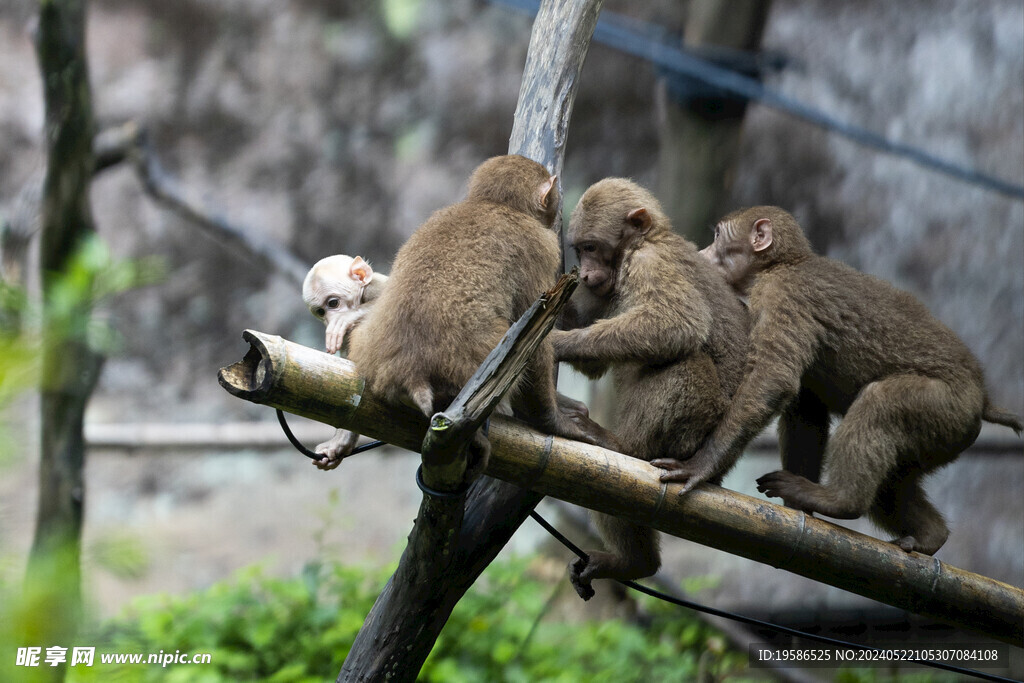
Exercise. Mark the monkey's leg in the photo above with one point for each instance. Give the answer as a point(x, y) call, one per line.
point(859, 455)
point(897, 418)
point(572, 407)
point(632, 554)
point(803, 435)
point(902, 508)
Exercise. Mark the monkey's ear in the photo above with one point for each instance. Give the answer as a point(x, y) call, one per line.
point(360, 270)
point(761, 234)
point(640, 219)
point(547, 191)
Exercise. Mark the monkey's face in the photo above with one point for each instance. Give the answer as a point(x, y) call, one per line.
point(333, 291)
point(597, 264)
point(732, 253)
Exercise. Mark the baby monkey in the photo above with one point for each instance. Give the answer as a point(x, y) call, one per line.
point(826, 339)
point(339, 290)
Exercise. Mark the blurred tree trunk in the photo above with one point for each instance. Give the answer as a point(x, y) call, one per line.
point(700, 135)
point(70, 368)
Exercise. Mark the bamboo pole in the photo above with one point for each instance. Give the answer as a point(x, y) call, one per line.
point(282, 374)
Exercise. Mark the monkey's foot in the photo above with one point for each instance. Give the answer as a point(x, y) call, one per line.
point(927, 543)
point(791, 488)
point(577, 568)
point(334, 451)
point(906, 543)
point(685, 472)
point(327, 463)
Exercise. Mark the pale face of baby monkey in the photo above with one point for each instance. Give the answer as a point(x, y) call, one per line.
point(333, 292)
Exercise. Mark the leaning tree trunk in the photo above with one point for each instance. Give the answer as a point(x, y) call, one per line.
point(69, 367)
point(400, 630)
point(700, 138)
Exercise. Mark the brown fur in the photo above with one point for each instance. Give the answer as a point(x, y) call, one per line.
point(457, 285)
point(672, 333)
point(826, 338)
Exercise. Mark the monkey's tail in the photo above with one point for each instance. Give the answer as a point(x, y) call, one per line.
point(423, 398)
point(1001, 417)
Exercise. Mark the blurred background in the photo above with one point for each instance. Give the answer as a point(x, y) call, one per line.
point(338, 127)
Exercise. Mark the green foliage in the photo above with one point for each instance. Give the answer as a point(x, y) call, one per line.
point(92, 276)
point(400, 16)
point(497, 634)
point(300, 629)
point(18, 355)
point(123, 554)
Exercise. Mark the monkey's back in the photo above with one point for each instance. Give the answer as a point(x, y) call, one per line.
point(456, 286)
point(862, 328)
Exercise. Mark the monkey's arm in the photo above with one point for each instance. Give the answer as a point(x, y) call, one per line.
point(781, 349)
point(656, 331)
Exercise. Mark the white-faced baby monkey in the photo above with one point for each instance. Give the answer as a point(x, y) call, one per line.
point(339, 290)
point(825, 339)
point(673, 334)
point(457, 285)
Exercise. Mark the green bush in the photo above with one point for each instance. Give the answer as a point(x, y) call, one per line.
point(300, 629)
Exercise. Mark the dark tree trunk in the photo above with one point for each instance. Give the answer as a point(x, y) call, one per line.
point(409, 614)
point(69, 367)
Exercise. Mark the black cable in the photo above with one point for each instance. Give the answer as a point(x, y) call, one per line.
point(613, 31)
point(757, 622)
point(434, 493)
point(310, 454)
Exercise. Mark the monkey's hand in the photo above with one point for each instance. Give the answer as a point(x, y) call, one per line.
point(689, 473)
point(339, 325)
point(334, 451)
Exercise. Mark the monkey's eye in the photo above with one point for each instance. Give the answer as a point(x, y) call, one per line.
point(588, 248)
point(319, 313)
point(333, 302)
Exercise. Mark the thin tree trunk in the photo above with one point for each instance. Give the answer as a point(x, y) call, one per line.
point(70, 368)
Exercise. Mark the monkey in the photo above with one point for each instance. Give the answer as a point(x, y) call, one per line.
point(339, 290)
point(827, 339)
point(673, 334)
point(457, 285)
